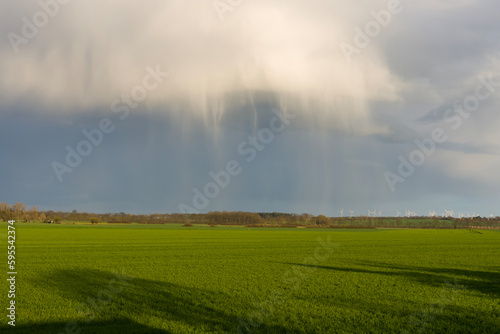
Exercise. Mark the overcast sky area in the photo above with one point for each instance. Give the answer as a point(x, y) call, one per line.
point(306, 106)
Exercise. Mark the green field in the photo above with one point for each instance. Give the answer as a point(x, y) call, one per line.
point(173, 279)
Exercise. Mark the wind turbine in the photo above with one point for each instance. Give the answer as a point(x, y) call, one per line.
point(397, 213)
point(448, 213)
point(352, 212)
point(341, 213)
point(491, 216)
point(379, 213)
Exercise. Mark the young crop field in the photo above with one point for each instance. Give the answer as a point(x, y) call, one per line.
point(173, 279)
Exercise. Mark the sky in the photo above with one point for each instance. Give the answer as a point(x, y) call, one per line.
point(288, 106)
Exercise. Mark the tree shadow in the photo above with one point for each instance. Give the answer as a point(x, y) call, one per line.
point(111, 303)
point(439, 315)
point(486, 282)
point(139, 305)
point(125, 326)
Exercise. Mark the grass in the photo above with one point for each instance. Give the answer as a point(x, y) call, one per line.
point(214, 280)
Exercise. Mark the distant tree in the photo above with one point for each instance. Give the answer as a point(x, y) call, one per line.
point(32, 213)
point(57, 219)
point(305, 217)
point(19, 210)
point(5, 212)
point(252, 218)
point(94, 220)
point(74, 215)
point(42, 217)
point(322, 220)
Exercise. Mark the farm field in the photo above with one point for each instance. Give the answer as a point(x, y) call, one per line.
point(173, 279)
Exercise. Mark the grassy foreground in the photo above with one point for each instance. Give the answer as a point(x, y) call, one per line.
point(172, 279)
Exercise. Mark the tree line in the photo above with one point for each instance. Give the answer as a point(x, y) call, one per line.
point(20, 213)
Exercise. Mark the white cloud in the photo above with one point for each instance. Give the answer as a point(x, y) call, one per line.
point(91, 52)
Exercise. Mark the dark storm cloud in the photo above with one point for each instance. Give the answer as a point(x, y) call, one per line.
point(353, 119)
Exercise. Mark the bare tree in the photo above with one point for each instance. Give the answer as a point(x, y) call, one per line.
point(19, 211)
point(5, 212)
point(33, 213)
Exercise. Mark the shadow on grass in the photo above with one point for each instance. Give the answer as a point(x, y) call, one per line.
point(486, 282)
point(125, 326)
point(104, 302)
point(437, 316)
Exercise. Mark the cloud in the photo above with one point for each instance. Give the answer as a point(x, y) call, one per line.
point(353, 119)
point(92, 52)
